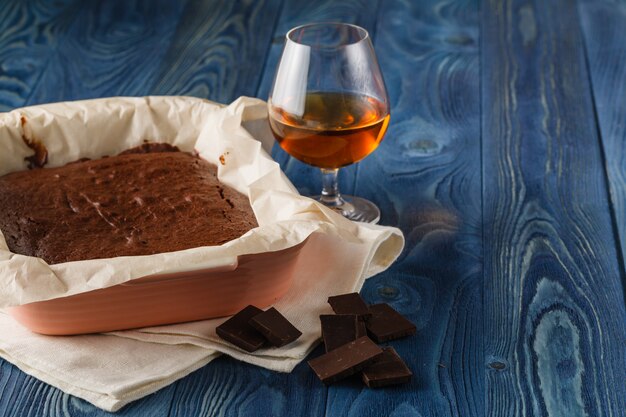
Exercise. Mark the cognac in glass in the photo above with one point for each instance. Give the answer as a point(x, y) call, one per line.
point(329, 107)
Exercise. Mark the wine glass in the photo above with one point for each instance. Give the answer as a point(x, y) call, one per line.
point(329, 107)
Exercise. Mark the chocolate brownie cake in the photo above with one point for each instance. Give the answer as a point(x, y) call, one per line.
point(147, 200)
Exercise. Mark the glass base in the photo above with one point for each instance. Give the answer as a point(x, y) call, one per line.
point(354, 208)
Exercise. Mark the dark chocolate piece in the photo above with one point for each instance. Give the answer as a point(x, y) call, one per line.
point(345, 360)
point(275, 327)
point(339, 329)
point(387, 324)
point(388, 369)
point(349, 304)
point(239, 332)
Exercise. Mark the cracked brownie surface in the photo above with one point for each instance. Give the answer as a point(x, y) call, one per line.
point(146, 200)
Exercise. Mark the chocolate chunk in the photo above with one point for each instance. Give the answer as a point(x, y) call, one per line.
point(349, 304)
point(275, 327)
point(387, 324)
point(387, 369)
point(337, 330)
point(239, 332)
point(345, 360)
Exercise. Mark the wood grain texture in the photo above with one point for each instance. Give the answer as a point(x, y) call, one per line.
point(426, 178)
point(554, 311)
point(295, 13)
point(29, 33)
point(231, 388)
point(603, 24)
point(219, 49)
point(113, 48)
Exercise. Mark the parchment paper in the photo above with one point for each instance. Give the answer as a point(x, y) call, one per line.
point(94, 128)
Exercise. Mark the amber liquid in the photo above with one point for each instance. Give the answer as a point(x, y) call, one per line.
point(335, 130)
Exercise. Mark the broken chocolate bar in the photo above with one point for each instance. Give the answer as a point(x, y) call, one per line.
point(349, 304)
point(337, 330)
point(387, 369)
point(275, 327)
point(239, 332)
point(387, 324)
point(345, 360)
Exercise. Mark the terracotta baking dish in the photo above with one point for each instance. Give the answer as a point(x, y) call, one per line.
point(172, 297)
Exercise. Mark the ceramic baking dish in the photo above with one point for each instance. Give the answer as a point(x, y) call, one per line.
point(216, 290)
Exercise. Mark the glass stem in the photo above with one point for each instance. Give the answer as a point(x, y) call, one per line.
point(330, 188)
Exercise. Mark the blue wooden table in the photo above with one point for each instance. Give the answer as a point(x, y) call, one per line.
point(504, 165)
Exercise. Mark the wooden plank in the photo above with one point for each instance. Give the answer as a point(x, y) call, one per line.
point(554, 310)
point(25, 396)
point(114, 48)
point(603, 24)
point(231, 388)
point(219, 49)
point(426, 178)
point(29, 33)
point(299, 12)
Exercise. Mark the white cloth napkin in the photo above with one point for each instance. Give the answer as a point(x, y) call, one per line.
point(107, 371)
point(114, 369)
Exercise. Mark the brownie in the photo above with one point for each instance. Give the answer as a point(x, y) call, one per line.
point(147, 200)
